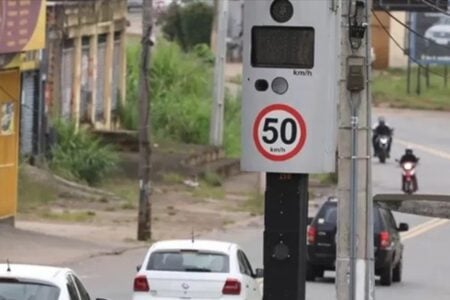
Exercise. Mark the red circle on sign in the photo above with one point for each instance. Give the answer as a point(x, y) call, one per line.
point(298, 117)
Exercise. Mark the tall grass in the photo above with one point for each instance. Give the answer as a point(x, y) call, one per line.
point(181, 96)
point(79, 155)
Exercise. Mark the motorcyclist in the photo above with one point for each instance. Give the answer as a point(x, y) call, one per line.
point(411, 158)
point(382, 129)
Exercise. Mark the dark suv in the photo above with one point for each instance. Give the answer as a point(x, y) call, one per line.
point(322, 243)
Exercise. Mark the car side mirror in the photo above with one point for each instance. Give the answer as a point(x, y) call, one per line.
point(403, 227)
point(259, 273)
point(310, 219)
point(138, 268)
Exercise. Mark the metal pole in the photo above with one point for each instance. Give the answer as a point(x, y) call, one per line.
point(408, 77)
point(354, 264)
point(445, 76)
point(216, 126)
point(144, 217)
point(286, 218)
point(418, 88)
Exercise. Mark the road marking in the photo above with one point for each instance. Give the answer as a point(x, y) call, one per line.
point(423, 228)
point(429, 150)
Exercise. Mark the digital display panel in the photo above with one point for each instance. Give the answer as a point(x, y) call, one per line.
point(282, 47)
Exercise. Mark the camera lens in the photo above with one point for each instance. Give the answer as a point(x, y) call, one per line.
point(281, 10)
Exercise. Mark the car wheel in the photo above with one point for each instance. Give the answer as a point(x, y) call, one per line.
point(397, 273)
point(310, 272)
point(386, 276)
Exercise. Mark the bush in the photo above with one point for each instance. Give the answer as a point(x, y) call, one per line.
point(189, 24)
point(77, 154)
point(181, 91)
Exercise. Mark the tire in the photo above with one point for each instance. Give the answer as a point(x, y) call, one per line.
point(310, 272)
point(386, 276)
point(397, 272)
point(382, 158)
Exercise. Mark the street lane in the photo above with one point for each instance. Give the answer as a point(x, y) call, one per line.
point(425, 258)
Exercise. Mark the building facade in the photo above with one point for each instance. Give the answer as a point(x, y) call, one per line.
point(22, 34)
point(86, 60)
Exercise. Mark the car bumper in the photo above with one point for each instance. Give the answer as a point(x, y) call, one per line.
point(327, 260)
point(146, 296)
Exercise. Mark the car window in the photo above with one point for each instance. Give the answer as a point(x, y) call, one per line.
point(18, 290)
point(390, 219)
point(327, 215)
point(84, 295)
point(247, 263)
point(243, 266)
point(71, 288)
point(189, 261)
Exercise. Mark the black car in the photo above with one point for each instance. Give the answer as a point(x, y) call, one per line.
point(322, 243)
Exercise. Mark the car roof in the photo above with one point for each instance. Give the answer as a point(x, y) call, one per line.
point(202, 245)
point(32, 272)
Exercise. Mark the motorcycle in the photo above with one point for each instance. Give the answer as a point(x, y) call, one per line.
point(409, 179)
point(382, 148)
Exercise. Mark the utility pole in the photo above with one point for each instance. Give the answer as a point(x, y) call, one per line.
point(355, 253)
point(216, 125)
point(144, 217)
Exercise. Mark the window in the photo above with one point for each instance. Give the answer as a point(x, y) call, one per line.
point(247, 263)
point(244, 265)
point(15, 289)
point(81, 289)
point(189, 261)
point(71, 288)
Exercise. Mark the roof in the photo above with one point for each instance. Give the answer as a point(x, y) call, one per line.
point(209, 245)
point(32, 272)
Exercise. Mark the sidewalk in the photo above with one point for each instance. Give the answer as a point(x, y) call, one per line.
point(22, 246)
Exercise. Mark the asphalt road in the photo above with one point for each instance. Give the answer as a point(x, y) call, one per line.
point(426, 263)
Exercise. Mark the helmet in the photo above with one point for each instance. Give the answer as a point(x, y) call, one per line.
point(381, 120)
point(408, 151)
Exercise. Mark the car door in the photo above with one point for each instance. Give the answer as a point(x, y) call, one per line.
point(250, 284)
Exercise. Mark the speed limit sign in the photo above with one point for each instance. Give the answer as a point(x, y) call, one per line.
point(279, 132)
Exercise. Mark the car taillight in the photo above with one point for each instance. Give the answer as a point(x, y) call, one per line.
point(385, 240)
point(232, 287)
point(312, 232)
point(141, 284)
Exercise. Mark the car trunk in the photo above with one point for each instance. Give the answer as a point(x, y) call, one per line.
point(186, 284)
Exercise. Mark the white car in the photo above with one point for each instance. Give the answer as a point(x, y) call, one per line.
point(198, 269)
point(29, 282)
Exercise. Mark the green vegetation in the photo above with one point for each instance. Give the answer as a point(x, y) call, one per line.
point(389, 88)
point(254, 204)
point(33, 193)
point(188, 25)
point(181, 90)
point(212, 179)
point(68, 216)
point(207, 191)
point(78, 155)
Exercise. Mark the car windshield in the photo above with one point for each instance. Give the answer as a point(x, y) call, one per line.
point(17, 290)
point(189, 261)
point(328, 215)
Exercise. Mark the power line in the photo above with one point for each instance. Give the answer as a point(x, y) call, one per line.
point(434, 6)
point(413, 30)
point(402, 48)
